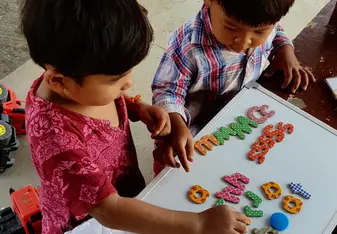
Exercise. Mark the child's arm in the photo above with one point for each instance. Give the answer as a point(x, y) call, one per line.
point(83, 187)
point(281, 39)
point(170, 87)
point(180, 142)
point(284, 59)
point(156, 119)
point(132, 215)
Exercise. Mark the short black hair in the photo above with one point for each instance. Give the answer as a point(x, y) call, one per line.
point(86, 37)
point(256, 13)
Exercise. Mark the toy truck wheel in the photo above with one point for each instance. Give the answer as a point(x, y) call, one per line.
point(3, 94)
point(30, 228)
point(11, 190)
point(5, 133)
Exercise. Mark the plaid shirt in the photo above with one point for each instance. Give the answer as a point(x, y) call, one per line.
point(197, 71)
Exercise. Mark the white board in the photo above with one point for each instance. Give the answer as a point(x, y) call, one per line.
point(307, 156)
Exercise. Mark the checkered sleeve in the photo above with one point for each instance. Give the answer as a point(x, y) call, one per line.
point(280, 39)
point(172, 80)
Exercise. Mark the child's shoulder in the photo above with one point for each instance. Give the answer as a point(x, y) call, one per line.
point(187, 35)
point(49, 126)
point(43, 113)
point(183, 34)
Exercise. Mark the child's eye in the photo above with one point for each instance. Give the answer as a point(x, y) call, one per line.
point(230, 28)
point(259, 32)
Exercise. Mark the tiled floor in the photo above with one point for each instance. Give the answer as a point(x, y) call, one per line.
point(15, 53)
point(165, 16)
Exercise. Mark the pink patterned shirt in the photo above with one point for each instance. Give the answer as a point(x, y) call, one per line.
point(80, 160)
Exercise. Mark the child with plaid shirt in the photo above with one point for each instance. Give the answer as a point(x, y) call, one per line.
point(211, 57)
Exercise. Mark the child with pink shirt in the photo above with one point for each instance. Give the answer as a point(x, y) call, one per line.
point(78, 120)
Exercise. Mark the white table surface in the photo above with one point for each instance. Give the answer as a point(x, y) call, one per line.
point(308, 156)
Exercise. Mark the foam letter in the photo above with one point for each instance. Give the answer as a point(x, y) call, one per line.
point(224, 134)
point(227, 194)
point(252, 213)
point(266, 230)
point(297, 188)
point(262, 109)
point(272, 195)
point(234, 180)
point(204, 142)
point(243, 126)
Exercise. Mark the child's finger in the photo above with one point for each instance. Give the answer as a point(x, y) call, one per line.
point(167, 128)
point(240, 227)
point(160, 124)
point(169, 157)
point(311, 76)
point(305, 79)
point(297, 81)
point(190, 150)
point(168, 123)
point(164, 132)
point(242, 218)
point(182, 156)
point(288, 76)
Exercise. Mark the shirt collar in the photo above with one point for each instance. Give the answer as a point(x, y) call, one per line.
point(202, 33)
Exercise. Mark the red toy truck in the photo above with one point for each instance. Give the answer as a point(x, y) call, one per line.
point(26, 205)
point(14, 108)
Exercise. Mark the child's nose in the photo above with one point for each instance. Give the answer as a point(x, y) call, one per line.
point(243, 40)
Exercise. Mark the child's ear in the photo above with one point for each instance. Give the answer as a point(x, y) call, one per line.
point(54, 79)
point(208, 3)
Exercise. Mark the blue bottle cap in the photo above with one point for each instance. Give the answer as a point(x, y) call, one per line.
point(279, 221)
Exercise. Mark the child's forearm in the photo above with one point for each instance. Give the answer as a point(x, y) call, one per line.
point(177, 121)
point(133, 108)
point(136, 216)
point(280, 39)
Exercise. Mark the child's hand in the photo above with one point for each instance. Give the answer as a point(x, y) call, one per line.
point(223, 220)
point(286, 61)
point(136, 216)
point(179, 142)
point(156, 119)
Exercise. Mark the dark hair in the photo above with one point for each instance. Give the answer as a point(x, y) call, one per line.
point(86, 37)
point(256, 12)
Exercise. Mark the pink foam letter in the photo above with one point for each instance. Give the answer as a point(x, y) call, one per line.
point(227, 194)
point(234, 180)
